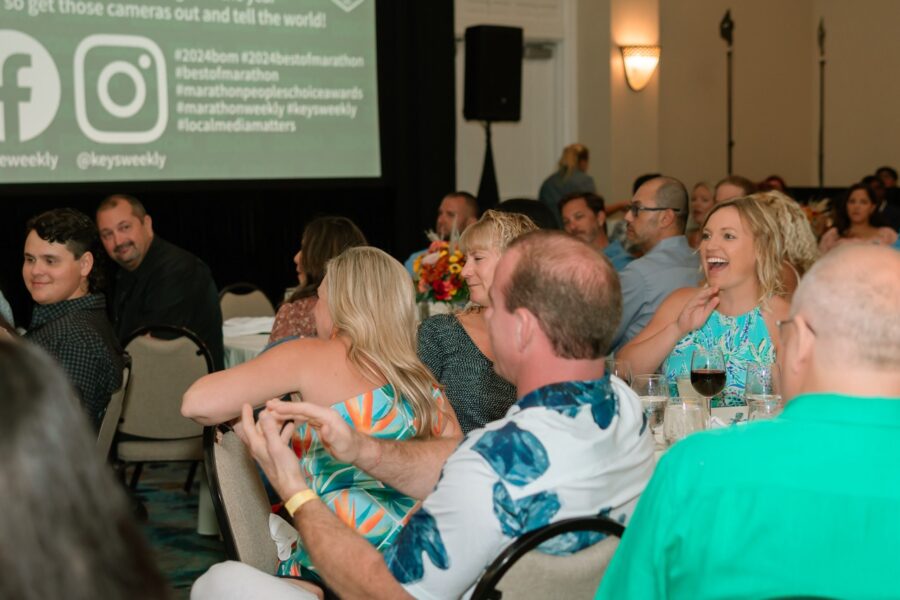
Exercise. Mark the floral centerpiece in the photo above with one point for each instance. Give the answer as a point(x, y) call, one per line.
point(439, 282)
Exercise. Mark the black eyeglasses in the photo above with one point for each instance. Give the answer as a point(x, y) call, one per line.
point(634, 208)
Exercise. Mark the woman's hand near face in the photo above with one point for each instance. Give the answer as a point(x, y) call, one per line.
point(697, 310)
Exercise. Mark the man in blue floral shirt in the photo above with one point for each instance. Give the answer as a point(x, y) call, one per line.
point(573, 445)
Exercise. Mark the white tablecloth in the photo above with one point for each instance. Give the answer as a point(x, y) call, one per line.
point(241, 348)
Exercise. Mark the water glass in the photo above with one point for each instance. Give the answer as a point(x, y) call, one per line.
point(653, 390)
point(683, 417)
point(620, 368)
point(761, 410)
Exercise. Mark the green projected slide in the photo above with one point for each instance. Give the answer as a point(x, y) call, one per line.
point(161, 90)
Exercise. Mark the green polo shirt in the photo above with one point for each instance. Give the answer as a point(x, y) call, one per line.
point(805, 504)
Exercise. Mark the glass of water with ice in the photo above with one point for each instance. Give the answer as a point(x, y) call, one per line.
point(653, 390)
point(761, 391)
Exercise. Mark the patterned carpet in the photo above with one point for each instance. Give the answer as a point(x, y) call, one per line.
point(171, 527)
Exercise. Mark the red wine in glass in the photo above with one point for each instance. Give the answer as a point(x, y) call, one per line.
point(708, 382)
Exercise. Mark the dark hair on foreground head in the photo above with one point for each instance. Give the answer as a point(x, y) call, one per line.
point(79, 234)
point(593, 201)
point(66, 528)
point(323, 239)
point(572, 289)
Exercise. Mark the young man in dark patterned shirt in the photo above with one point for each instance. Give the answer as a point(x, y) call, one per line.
point(69, 320)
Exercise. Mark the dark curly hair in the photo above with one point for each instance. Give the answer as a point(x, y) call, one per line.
point(79, 234)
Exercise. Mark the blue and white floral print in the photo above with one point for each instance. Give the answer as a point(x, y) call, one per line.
point(564, 450)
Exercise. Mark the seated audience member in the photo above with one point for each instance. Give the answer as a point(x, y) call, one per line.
point(804, 505)
point(570, 177)
point(67, 527)
point(797, 238)
point(159, 283)
point(888, 177)
point(323, 239)
point(584, 217)
point(69, 321)
point(573, 445)
point(363, 367)
point(538, 212)
point(5, 310)
point(656, 221)
point(856, 220)
point(457, 211)
point(733, 186)
point(736, 311)
point(701, 203)
point(773, 183)
point(457, 348)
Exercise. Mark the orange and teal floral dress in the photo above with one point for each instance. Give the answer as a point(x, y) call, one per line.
point(376, 511)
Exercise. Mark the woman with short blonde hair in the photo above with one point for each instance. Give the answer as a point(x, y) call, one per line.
point(456, 347)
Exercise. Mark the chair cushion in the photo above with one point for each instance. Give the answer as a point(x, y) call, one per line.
point(160, 450)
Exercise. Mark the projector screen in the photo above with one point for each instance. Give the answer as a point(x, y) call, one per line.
point(163, 90)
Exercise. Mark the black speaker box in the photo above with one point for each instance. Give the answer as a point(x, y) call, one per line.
point(493, 89)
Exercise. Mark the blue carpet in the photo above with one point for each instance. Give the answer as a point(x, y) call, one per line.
point(181, 553)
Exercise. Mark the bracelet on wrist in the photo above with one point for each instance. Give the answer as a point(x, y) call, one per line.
point(293, 504)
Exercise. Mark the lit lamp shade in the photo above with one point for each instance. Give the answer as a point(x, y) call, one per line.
point(640, 62)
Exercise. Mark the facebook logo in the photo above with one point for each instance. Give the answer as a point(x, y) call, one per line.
point(29, 87)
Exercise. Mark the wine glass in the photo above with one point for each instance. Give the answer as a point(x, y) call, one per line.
point(683, 417)
point(620, 368)
point(761, 391)
point(707, 374)
point(653, 390)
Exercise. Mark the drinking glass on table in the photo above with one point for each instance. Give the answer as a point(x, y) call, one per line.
point(707, 374)
point(620, 368)
point(683, 416)
point(653, 390)
point(761, 391)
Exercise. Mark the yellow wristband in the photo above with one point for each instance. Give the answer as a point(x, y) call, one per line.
point(294, 503)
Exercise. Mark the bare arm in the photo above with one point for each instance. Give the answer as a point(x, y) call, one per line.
point(349, 564)
point(411, 466)
point(219, 396)
point(679, 314)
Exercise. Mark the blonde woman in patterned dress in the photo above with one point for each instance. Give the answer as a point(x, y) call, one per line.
point(742, 253)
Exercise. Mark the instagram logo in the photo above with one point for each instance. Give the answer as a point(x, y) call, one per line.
point(29, 87)
point(120, 89)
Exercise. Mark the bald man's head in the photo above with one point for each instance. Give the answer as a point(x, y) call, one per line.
point(851, 299)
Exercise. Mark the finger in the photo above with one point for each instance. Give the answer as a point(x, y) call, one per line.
point(287, 432)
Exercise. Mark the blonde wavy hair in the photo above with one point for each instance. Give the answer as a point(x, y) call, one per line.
point(800, 247)
point(572, 155)
point(768, 241)
point(372, 303)
point(495, 230)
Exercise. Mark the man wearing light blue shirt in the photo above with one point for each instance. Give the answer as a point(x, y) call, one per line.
point(584, 217)
point(656, 220)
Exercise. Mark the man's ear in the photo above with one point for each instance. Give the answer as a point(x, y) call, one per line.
point(86, 264)
point(148, 224)
point(805, 344)
point(601, 218)
point(525, 324)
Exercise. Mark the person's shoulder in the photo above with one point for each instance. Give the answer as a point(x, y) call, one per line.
point(438, 325)
point(778, 307)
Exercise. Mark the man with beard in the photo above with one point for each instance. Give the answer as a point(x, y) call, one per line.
point(584, 217)
point(159, 283)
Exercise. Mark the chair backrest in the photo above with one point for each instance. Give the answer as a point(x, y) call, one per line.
point(242, 506)
point(244, 300)
point(161, 372)
point(520, 571)
point(110, 422)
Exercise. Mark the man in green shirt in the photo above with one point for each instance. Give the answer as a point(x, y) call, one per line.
point(807, 504)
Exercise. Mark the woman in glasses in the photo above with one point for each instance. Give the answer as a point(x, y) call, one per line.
point(742, 255)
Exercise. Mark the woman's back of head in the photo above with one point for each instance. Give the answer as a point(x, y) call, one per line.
point(371, 301)
point(323, 239)
point(66, 527)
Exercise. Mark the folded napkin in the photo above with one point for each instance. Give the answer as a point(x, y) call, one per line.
point(284, 535)
point(247, 326)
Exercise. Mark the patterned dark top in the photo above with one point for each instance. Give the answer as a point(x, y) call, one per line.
point(78, 335)
point(476, 392)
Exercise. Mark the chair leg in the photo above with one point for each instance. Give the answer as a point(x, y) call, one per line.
point(136, 475)
point(190, 477)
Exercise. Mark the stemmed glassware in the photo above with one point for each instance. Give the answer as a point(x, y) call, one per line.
point(653, 390)
point(761, 391)
point(620, 368)
point(707, 374)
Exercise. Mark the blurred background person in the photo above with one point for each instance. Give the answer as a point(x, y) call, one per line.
point(456, 348)
point(66, 526)
point(570, 177)
point(323, 239)
point(733, 186)
point(856, 220)
point(701, 203)
point(584, 217)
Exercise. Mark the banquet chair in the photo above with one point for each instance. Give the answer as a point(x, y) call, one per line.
point(152, 428)
point(521, 571)
point(239, 498)
point(113, 414)
point(244, 300)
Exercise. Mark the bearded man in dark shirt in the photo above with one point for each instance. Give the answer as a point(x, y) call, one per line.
point(159, 283)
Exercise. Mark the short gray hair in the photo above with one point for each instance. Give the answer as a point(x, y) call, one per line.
point(672, 194)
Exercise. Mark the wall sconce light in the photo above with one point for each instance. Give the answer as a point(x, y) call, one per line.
point(640, 63)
